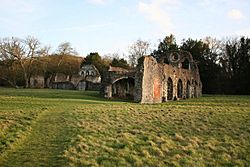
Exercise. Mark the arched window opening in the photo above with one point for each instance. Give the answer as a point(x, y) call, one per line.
point(170, 89)
point(186, 64)
point(179, 89)
point(188, 90)
point(166, 61)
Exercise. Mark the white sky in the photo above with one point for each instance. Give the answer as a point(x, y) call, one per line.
point(108, 26)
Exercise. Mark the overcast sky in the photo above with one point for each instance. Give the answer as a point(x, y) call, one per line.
point(108, 26)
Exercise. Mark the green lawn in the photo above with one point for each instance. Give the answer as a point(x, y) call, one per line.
point(73, 128)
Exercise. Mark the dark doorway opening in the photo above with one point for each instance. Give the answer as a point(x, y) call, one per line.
point(170, 89)
point(179, 89)
point(124, 88)
point(188, 90)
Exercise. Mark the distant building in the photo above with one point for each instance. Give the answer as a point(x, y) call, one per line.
point(88, 78)
point(37, 81)
point(91, 78)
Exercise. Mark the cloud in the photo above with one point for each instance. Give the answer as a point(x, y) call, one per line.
point(86, 28)
point(209, 3)
point(206, 3)
point(155, 12)
point(236, 14)
point(18, 13)
point(17, 6)
point(97, 2)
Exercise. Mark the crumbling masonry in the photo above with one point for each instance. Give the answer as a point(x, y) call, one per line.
point(174, 76)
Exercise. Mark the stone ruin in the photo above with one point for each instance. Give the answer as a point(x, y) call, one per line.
point(173, 77)
point(88, 78)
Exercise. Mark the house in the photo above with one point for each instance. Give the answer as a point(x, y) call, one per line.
point(91, 78)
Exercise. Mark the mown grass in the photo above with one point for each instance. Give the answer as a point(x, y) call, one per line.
point(72, 128)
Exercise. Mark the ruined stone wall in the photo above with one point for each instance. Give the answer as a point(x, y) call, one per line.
point(93, 86)
point(37, 81)
point(138, 84)
point(78, 81)
point(153, 78)
point(111, 83)
point(81, 85)
point(75, 79)
point(151, 81)
point(93, 79)
point(184, 75)
point(63, 85)
point(60, 77)
point(156, 82)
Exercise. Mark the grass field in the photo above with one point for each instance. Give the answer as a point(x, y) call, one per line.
point(73, 128)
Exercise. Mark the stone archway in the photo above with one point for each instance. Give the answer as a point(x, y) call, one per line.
point(170, 89)
point(188, 90)
point(179, 89)
point(123, 88)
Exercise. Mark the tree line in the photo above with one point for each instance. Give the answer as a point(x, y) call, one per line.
point(20, 59)
point(224, 65)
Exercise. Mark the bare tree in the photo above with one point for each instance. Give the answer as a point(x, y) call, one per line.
point(32, 52)
point(44, 51)
point(65, 48)
point(43, 59)
point(216, 48)
point(138, 49)
point(22, 52)
point(10, 52)
point(8, 67)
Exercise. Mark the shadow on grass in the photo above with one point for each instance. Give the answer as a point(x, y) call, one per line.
point(90, 96)
point(94, 97)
